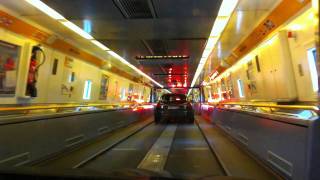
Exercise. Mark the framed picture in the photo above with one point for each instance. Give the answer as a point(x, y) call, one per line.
point(104, 87)
point(9, 56)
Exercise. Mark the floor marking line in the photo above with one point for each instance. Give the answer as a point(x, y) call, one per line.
point(196, 149)
point(126, 149)
point(157, 156)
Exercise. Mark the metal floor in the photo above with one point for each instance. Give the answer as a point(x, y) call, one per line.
point(181, 150)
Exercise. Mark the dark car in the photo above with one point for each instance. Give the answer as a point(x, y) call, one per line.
point(174, 108)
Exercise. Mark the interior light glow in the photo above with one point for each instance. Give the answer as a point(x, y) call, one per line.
point(100, 45)
point(87, 26)
point(215, 74)
point(204, 83)
point(296, 27)
point(315, 5)
point(206, 53)
point(313, 69)
point(76, 29)
point(55, 15)
point(45, 9)
point(239, 20)
point(227, 7)
point(189, 92)
point(211, 43)
point(219, 26)
point(240, 88)
point(115, 55)
point(87, 90)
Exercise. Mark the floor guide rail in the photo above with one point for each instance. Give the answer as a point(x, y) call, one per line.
point(167, 149)
point(223, 166)
point(104, 150)
point(190, 153)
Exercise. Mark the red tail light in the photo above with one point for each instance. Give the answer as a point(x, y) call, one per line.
point(158, 106)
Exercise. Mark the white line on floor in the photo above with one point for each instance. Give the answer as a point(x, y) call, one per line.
point(157, 156)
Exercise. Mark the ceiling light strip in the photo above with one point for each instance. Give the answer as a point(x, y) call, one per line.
point(226, 9)
point(100, 45)
point(55, 15)
point(46, 9)
point(76, 29)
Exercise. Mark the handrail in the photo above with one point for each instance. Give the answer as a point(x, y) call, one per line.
point(39, 107)
point(296, 107)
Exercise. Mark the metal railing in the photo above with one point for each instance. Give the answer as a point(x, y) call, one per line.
point(55, 108)
point(273, 106)
point(308, 112)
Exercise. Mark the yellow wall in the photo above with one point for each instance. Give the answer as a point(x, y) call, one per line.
point(49, 86)
point(279, 57)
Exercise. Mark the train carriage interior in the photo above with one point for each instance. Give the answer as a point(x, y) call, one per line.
point(159, 89)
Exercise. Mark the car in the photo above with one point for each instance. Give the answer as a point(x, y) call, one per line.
point(174, 108)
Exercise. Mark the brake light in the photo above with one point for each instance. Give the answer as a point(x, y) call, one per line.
point(158, 106)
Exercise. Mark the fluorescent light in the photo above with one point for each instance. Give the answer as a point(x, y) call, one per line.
point(313, 69)
point(211, 43)
point(55, 15)
point(219, 26)
point(76, 29)
point(315, 5)
point(45, 9)
point(240, 88)
point(227, 7)
point(115, 55)
point(87, 90)
point(225, 11)
point(239, 20)
point(100, 45)
point(206, 53)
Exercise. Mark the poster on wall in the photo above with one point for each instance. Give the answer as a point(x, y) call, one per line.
point(104, 87)
point(130, 92)
point(9, 55)
point(68, 62)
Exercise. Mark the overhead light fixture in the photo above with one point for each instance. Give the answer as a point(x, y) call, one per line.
point(55, 15)
point(118, 57)
point(100, 45)
point(115, 55)
point(45, 9)
point(183, 57)
point(218, 26)
point(315, 6)
point(226, 9)
point(76, 29)
point(211, 43)
point(206, 53)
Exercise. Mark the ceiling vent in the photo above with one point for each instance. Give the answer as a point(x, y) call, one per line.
point(136, 9)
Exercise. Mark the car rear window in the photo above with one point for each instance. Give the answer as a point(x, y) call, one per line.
point(174, 98)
